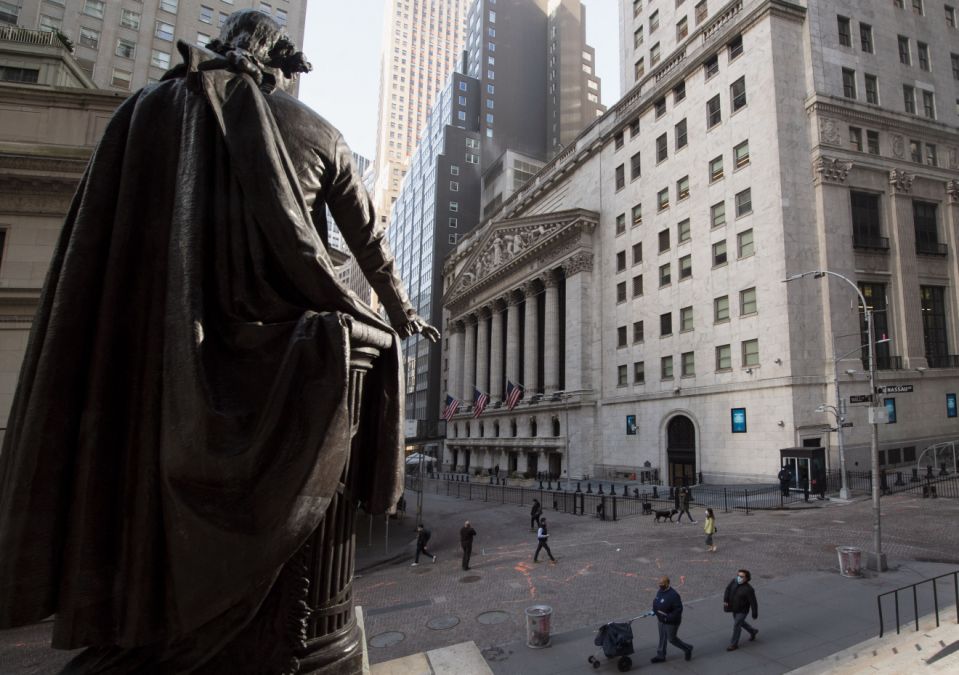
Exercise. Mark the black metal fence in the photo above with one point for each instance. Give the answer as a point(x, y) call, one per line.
point(912, 591)
point(930, 484)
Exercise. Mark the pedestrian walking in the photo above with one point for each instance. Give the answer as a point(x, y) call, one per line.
point(784, 479)
point(709, 527)
point(676, 493)
point(466, 541)
point(821, 482)
point(668, 608)
point(534, 514)
point(739, 599)
point(422, 539)
point(685, 497)
point(542, 538)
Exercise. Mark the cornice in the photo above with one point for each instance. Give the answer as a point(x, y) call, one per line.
point(884, 119)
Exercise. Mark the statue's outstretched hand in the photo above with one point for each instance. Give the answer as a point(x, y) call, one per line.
point(417, 324)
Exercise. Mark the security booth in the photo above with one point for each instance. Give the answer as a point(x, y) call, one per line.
point(804, 465)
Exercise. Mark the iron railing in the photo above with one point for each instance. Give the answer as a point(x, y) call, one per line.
point(915, 600)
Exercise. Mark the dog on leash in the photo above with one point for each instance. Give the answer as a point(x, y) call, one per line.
point(665, 515)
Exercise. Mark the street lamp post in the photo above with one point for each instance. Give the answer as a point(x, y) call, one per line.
point(874, 416)
point(566, 396)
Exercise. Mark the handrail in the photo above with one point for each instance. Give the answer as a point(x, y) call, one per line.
point(915, 600)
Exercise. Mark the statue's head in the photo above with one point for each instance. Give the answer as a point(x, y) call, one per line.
point(255, 34)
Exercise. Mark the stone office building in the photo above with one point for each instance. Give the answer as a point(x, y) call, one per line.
point(760, 139)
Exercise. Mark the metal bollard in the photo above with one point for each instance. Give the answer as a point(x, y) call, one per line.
point(589, 488)
point(899, 480)
point(577, 487)
point(655, 493)
point(600, 489)
point(915, 476)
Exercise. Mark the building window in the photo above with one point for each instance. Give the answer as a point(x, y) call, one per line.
point(744, 243)
point(875, 295)
point(121, 78)
point(654, 55)
point(683, 233)
point(454, 223)
point(744, 203)
point(202, 39)
point(714, 114)
point(872, 89)
point(14, 74)
point(750, 353)
point(848, 83)
point(724, 358)
point(929, 104)
point(865, 37)
point(682, 188)
point(904, 57)
point(660, 107)
point(618, 140)
point(164, 31)
point(10, 14)
point(93, 8)
point(922, 50)
point(701, 11)
point(872, 142)
point(711, 66)
point(639, 69)
point(637, 253)
point(719, 253)
point(637, 285)
point(685, 267)
point(206, 14)
point(665, 275)
point(717, 215)
point(917, 7)
point(741, 154)
point(130, 19)
point(169, 6)
point(126, 48)
point(620, 177)
point(866, 226)
point(620, 223)
point(686, 319)
point(735, 47)
point(679, 92)
point(747, 302)
point(715, 169)
point(653, 21)
point(621, 376)
point(932, 156)
point(637, 215)
point(160, 59)
point(688, 364)
point(950, 16)
point(621, 337)
point(281, 17)
point(638, 332)
point(909, 99)
point(680, 134)
point(925, 222)
point(634, 128)
point(666, 368)
point(662, 199)
point(915, 151)
point(637, 37)
point(933, 305)
point(738, 92)
point(454, 186)
point(621, 292)
point(955, 66)
point(89, 37)
point(682, 29)
point(845, 31)
point(620, 261)
point(662, 149)
point(663, 241)
point(454, 170)
point(454, 207)
point(721, 309)
point(634, 166)
point(639, 372)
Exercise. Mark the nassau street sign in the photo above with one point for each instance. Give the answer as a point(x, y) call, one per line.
point(894, 389)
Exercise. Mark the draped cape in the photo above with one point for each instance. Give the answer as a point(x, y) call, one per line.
point(180, 422)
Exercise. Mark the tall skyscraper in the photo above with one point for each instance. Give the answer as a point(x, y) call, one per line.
point(125, 44)
point(488, 132)
point(422, 43)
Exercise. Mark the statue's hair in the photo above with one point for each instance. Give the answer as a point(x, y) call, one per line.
point(252, 35)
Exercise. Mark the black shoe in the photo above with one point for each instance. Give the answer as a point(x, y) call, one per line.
point(657, 659)
point(689, 653)
point(732, 648)
point(753, 635)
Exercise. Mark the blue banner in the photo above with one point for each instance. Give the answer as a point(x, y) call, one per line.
point(950, 405)
point(738, 416)
point(890, 409)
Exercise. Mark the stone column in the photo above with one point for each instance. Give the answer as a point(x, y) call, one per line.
point(482, 351)
point(905, 315)
point(530, 340)
point(496, 353)
point(512, 338)
point(469, 360)
point(551, 334)
point(579, 274)
point(454, 362)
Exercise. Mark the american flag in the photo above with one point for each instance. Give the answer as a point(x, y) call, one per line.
point(452, 405)
point(479, 402)
point(514, 393)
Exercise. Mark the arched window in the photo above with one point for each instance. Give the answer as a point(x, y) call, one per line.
point(455, 429)
point(482, 430)
point(496, 429)
point(532, 426)
point(555, 426)
point(467, 429)
point(512, 427)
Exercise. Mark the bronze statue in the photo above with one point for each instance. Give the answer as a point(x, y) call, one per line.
point(180, 423)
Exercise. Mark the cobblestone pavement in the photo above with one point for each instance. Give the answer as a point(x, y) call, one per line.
point(605, 571)
point(608, 570)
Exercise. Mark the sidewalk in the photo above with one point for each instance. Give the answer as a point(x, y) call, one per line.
point(802, 618)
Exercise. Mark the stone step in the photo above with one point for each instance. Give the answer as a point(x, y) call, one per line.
point(457, 659)
point(930, 649)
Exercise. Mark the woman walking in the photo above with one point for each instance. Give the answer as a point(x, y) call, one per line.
point(710, 529)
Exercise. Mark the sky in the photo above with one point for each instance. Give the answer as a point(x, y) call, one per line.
point(342, 41)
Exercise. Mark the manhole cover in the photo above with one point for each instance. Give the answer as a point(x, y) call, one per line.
point(387, 639)
point(470, 579)
point(491, 618)
point(442, 623)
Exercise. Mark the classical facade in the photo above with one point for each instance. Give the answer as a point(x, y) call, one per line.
point(761, 139)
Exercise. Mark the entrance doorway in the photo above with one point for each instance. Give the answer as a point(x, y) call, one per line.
point(681, 451)
point(804, 465)
point(555, 465)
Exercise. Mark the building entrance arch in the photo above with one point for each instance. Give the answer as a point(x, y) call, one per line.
point(681, 451)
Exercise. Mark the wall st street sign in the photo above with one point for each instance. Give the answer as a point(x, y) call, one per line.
point(860, 398)
point(894, 389)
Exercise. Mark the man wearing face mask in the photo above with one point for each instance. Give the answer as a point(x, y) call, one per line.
point(739, 599)
point(668, 608)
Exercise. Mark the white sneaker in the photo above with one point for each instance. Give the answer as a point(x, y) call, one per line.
point(434, 558)
point(413, 564)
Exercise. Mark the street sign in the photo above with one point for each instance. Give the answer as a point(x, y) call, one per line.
point(861, 398)
point(894, 389)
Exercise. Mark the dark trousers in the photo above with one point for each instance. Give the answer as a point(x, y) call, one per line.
point(533, 522)
point(667, 633)
point(739, 623)
point(688, 515)
point(467, 552)
point(543, 545)
point(785, 489)
point(421, 548)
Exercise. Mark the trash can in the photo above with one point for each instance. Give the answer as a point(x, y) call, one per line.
point(850, 561)
point(537, 626)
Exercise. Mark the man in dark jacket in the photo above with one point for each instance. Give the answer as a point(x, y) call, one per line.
point(466, 541)
point(534, 514)
point(739, 599)
point(542, 538)
point(685, 497)
point(422, 538)
point(784, 479)
point(668, 608)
